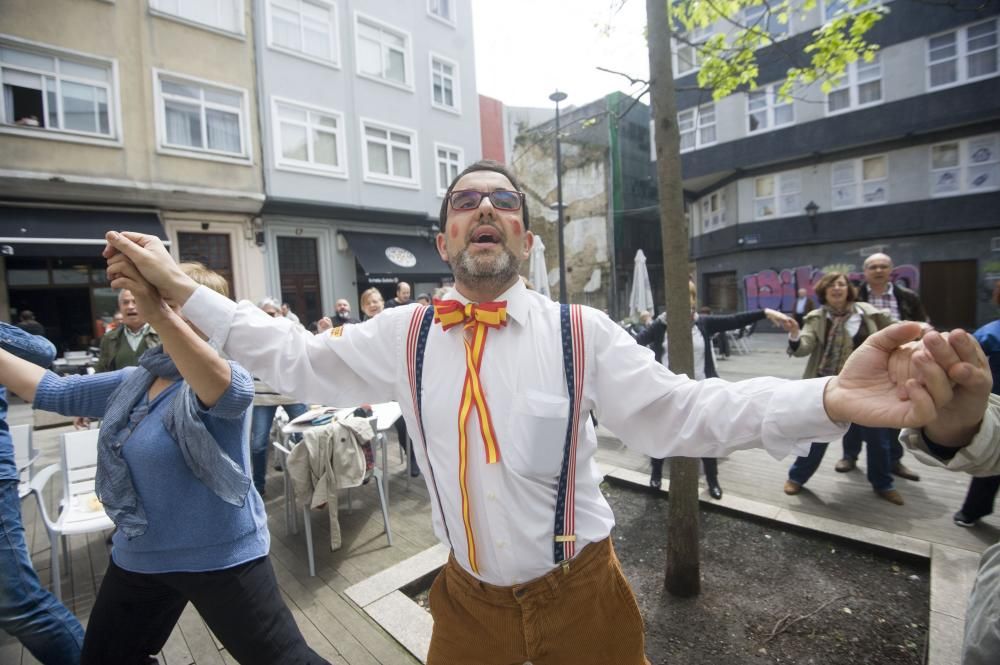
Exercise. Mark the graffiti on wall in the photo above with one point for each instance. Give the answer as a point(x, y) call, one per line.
point(777, 289)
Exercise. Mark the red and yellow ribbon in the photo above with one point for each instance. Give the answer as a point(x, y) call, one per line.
point(477, 319)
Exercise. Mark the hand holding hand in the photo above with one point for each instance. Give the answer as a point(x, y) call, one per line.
point(153, 263)
point(124, 275)
point(866, 393)
point(779, 319)
point(953, 369)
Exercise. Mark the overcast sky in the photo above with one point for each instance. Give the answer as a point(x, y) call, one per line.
point(525, 49)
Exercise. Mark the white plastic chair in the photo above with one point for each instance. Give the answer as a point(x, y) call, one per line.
point(291, 520)
point(24, 456)
point(78, 462)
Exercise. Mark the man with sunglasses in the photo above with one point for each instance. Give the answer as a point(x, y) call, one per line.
point(492, 382)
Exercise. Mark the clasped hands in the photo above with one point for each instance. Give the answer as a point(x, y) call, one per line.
point(909, 376)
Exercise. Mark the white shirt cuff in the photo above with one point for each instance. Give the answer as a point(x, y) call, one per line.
point(797, 417)
point(211, 312)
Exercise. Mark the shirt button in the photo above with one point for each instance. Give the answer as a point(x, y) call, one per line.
point(491, 496)
point(501, 544)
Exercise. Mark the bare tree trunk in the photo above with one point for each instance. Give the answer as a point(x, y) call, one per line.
point(683, 575)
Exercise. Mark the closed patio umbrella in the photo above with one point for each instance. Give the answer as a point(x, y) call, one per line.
point(537, 273)
point(641, 297)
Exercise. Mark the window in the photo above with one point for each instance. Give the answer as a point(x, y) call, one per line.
point(389, 154)
point(713, 210)
point(688, 58)
point(766, 111)
point(442, 10)
point(962, 55)
point(308, 138)
point(56, 92)
point(210, 249)
point(761, 17)
point(697, 126)
point(965, 167)
point(444, 83)
point(450, 161)
point(199, 117)
point(383, 52)
point(226, 15)
point(861, 182)
point(777, 195)
point(834, 7)
point(860, 86)
point(304, 27)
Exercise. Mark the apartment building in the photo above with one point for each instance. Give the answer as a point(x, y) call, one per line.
point(901, 157)
point(368, 109)
point(127, 114)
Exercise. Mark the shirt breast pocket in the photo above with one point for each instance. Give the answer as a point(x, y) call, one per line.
point(538, 434)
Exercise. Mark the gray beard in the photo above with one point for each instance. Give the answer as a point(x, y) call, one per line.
point(484, 272)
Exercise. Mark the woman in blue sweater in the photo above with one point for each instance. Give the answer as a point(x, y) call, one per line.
point(173, 474)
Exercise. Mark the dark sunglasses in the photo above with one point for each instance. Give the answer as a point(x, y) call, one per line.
point(502, 199)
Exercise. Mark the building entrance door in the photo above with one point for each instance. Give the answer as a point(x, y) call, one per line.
point(948, 291)
point(298, 268)
point(721, 293)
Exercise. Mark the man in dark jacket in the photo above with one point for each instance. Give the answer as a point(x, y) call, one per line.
point(122, 346)
point(878, 290)
point(903, 305)
point(342, 315)
point(402, 296)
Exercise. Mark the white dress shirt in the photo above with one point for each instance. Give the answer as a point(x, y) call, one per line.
point(513, 501)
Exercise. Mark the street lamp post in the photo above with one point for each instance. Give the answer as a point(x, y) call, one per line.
point(558, 97)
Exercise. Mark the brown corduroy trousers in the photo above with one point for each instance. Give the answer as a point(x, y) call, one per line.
point(581, 615)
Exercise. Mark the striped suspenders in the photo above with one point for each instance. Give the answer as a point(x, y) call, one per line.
point(571, 324)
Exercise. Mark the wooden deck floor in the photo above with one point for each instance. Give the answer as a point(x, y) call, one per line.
point(343, 634)
point(335, 627)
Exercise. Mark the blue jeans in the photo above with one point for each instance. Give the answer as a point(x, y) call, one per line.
point(852, 446)
point(27, 611)
point(878, 457)
point(260, 430)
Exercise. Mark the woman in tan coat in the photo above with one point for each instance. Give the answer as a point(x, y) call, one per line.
point(829, 334)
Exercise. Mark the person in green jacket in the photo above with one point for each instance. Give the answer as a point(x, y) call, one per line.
point(122, 346)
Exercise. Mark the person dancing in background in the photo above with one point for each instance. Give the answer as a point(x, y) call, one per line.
point(831, 333)
point(982, 492)
point(172, 473)
point(28, 611)
point(703, 327)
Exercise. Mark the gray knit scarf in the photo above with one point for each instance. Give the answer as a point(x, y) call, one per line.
point(201, 451)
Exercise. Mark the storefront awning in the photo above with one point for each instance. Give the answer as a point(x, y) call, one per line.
point(43, 232)
point(389, 258)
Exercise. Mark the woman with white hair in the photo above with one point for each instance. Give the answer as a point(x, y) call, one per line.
point(266, 401)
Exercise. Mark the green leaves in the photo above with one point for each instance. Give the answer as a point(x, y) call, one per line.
point(726, 35)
